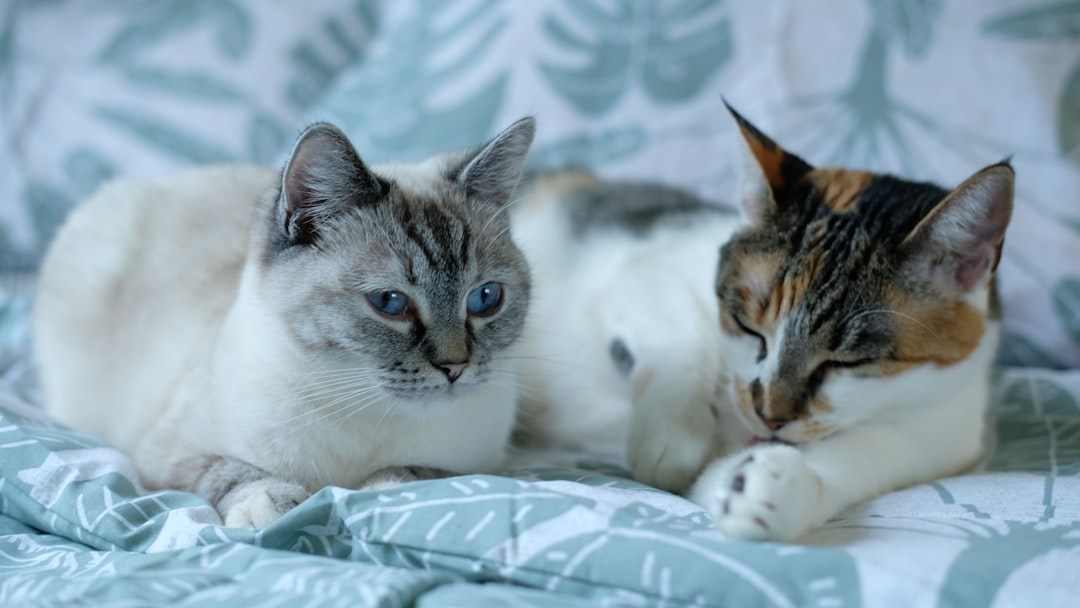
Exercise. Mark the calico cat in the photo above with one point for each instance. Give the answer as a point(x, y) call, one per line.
point(254, 336)
point(839, 348)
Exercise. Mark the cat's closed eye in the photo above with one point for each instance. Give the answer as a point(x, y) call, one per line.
point(391, 303)
point(485, 299)
point(762, 345)
point(823, 369)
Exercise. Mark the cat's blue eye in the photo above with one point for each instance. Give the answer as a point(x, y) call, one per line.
point(390, 303)
point(484, 300)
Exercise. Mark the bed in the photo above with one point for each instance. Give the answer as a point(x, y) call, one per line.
point(928, 89)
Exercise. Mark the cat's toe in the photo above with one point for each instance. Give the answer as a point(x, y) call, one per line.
point(259, 503)
point(768, 493)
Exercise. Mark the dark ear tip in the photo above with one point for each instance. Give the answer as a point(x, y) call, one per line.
point(320, 128)
point(739, 119)
point(1005, 165)
point(526, 125)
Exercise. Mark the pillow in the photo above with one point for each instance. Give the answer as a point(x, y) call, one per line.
point(928, 90)
point(94, 90)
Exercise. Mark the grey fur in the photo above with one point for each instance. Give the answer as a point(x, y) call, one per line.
point(621, 356)
point(634, 207)
point(366, 233)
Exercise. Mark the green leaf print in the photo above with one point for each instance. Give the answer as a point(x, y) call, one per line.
point(1069, 118)
point(590, 149)
point(265, 138)
point(157, 20)
point(432, 109)
point(166, 137)
point(86, 169)
point(1047, 22)
point(48, 206)
point(177, 83)
point(1066, 297)
point(992, 555)
point(908, 21)
point(1019, 351)
point(7, 51)
point(672, 49)
point(1038, 429)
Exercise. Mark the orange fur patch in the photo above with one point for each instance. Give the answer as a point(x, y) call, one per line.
point(769, 158)
point(840, 188)
point(942, 335)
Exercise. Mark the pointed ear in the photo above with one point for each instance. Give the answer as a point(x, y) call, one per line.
point(493, 172)
point(765, 169)
point(323, 177)
point(964, 233)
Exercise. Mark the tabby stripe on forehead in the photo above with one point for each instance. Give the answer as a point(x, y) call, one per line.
point(412, 231)
point(434, 235)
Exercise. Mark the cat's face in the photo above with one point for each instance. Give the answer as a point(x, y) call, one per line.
point(847, 293)
point(399, 281)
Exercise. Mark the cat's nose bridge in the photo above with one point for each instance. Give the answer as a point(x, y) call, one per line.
point(777, 404)
point(450, 352)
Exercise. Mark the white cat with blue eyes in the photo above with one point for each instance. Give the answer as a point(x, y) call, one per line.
point(253, 336)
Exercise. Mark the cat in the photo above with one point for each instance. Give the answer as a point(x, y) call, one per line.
point(253, 335)
point(832, 342)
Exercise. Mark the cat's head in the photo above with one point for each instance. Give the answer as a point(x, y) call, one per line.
point(848, 295)
point(397, 281)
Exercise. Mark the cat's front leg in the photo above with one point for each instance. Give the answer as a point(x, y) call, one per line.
point(672, 432)
point(245, 495)
point(779, 492)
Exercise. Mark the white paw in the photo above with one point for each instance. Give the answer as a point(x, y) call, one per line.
point(766, 493)
point(259, 503)
point(392, 477)
point(667, 457)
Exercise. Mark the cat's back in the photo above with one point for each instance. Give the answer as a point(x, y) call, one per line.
point(623, 275)
point(137, 278)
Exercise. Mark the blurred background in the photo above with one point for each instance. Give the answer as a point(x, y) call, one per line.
point(928, 89)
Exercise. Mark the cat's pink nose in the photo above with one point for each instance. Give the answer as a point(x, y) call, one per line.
point(774, 424)
point(453, 370)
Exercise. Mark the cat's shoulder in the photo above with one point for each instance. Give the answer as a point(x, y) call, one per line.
point(587, 204)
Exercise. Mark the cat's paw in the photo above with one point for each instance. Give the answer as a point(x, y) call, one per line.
point(257, 504)
point(767, 493)
point(666, 457)
point(392, 477)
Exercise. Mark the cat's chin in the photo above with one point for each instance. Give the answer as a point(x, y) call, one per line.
point(430, 402)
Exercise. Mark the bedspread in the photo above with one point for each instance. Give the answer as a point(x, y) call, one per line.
point(557, 530)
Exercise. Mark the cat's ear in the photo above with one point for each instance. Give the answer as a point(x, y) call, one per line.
point(323, 177)
point(962, 236)
point(765, 169)
point(493, 172)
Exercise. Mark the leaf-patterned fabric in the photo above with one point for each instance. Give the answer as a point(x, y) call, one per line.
point(568, 532)
point(928, 88)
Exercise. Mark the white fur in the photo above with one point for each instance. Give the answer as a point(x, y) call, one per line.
point(154, 333)
point(654, 294)
point(920, 425)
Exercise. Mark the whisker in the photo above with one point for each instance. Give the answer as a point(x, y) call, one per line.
point(899, 314)
point(501, 210)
